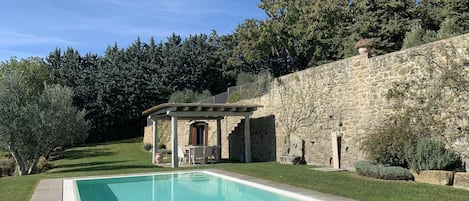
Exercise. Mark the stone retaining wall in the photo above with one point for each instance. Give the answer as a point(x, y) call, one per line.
point(346, 96)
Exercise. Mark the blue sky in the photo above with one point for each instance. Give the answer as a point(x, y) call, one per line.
point(37, 27)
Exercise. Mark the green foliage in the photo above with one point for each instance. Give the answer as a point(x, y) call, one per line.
point(245, 78)
point(448, 28)
point(417, 35)
point(147, 146)
point(43, 165)
point(395, 173)
point(431, 154)
point(127, 157)
point(188, 96)
point(34, 71)
point(431, 101)
point(161, 145)
point(295, 35)
point(386, 143)
point(414, 37)
point(116, 87)
point(7, 167)
point(370, 169)
point(234, 97)
point(367, 168)
point(33, 124)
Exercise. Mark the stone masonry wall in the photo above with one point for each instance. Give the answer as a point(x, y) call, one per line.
point(346, 96)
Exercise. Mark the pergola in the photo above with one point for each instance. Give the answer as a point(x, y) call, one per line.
point(198, 111)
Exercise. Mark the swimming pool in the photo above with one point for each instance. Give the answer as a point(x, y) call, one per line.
point(175, 186)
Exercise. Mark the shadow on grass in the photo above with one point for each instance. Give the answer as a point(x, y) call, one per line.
point(107, 168)
point(87, 153)
point(73, 165)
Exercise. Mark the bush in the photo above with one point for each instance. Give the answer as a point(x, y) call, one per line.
point(234, 97)
point(5, 155)
point(43, 165)
point(188, 96)
point(161, 145)
point(8, 167)
point(164, 151)
point(386, 144)
point(244, 78)
point(147, 146)
point(367, 168)
point(431, 154)
point(370, 169)
point(395, 173)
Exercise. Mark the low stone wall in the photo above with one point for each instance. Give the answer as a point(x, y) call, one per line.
point(461, 180)
point(437, 177)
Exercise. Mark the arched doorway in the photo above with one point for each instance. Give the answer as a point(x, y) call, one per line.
point(198, 135)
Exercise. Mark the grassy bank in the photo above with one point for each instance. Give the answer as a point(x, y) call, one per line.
point(128, 157)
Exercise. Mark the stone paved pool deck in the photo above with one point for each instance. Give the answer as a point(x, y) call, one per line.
point(51, 189)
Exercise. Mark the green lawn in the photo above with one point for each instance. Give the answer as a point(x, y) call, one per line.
point(128, 157)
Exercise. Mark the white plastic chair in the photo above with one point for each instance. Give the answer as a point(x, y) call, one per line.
point(182, 156)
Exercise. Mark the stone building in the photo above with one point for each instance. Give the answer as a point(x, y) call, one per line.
point(346, 97)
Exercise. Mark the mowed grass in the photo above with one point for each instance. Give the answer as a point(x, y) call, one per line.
point(128, 157)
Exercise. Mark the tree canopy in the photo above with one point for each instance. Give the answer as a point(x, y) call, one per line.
point(35, 120)
point(116, 86)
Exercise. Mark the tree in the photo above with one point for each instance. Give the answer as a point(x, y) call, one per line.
point(188, 96)
point(34, 124)
point(385, 21)
point(296, 35)
point(433, 13)
point(34, 69)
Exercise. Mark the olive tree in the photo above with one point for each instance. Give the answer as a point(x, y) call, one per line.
point(32, 125)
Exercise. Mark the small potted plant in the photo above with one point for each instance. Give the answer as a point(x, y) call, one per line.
point(364, 45)
point(158, 157)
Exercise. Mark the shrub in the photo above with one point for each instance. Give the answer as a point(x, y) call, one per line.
point(161, 145)
point(386, 144)
point(5, 155)
point(234, 97)
point(370, 169)
point(395, 173)
point(188, 96)
point(244, 78)
point(164, 151)
point(8, 166)
point(431, 154)
point(367, 168)
point(147, 146)
point(43, 165)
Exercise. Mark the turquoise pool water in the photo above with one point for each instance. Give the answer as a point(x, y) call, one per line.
point(188, 186)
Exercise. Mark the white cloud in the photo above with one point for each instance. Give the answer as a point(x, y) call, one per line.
point(11, 38)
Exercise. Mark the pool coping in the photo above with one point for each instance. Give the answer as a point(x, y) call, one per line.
point(52, 189)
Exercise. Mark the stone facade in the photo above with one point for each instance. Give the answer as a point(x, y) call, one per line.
point(346, 96)
point(461, 180)
point(436, 177)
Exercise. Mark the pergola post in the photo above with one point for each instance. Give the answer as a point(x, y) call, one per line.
point(218, 154)
point(155, 139)
point(247, 140)
point(199, 111)
point(174, 129)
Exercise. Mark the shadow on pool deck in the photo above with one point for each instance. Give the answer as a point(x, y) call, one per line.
point(51, 189)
